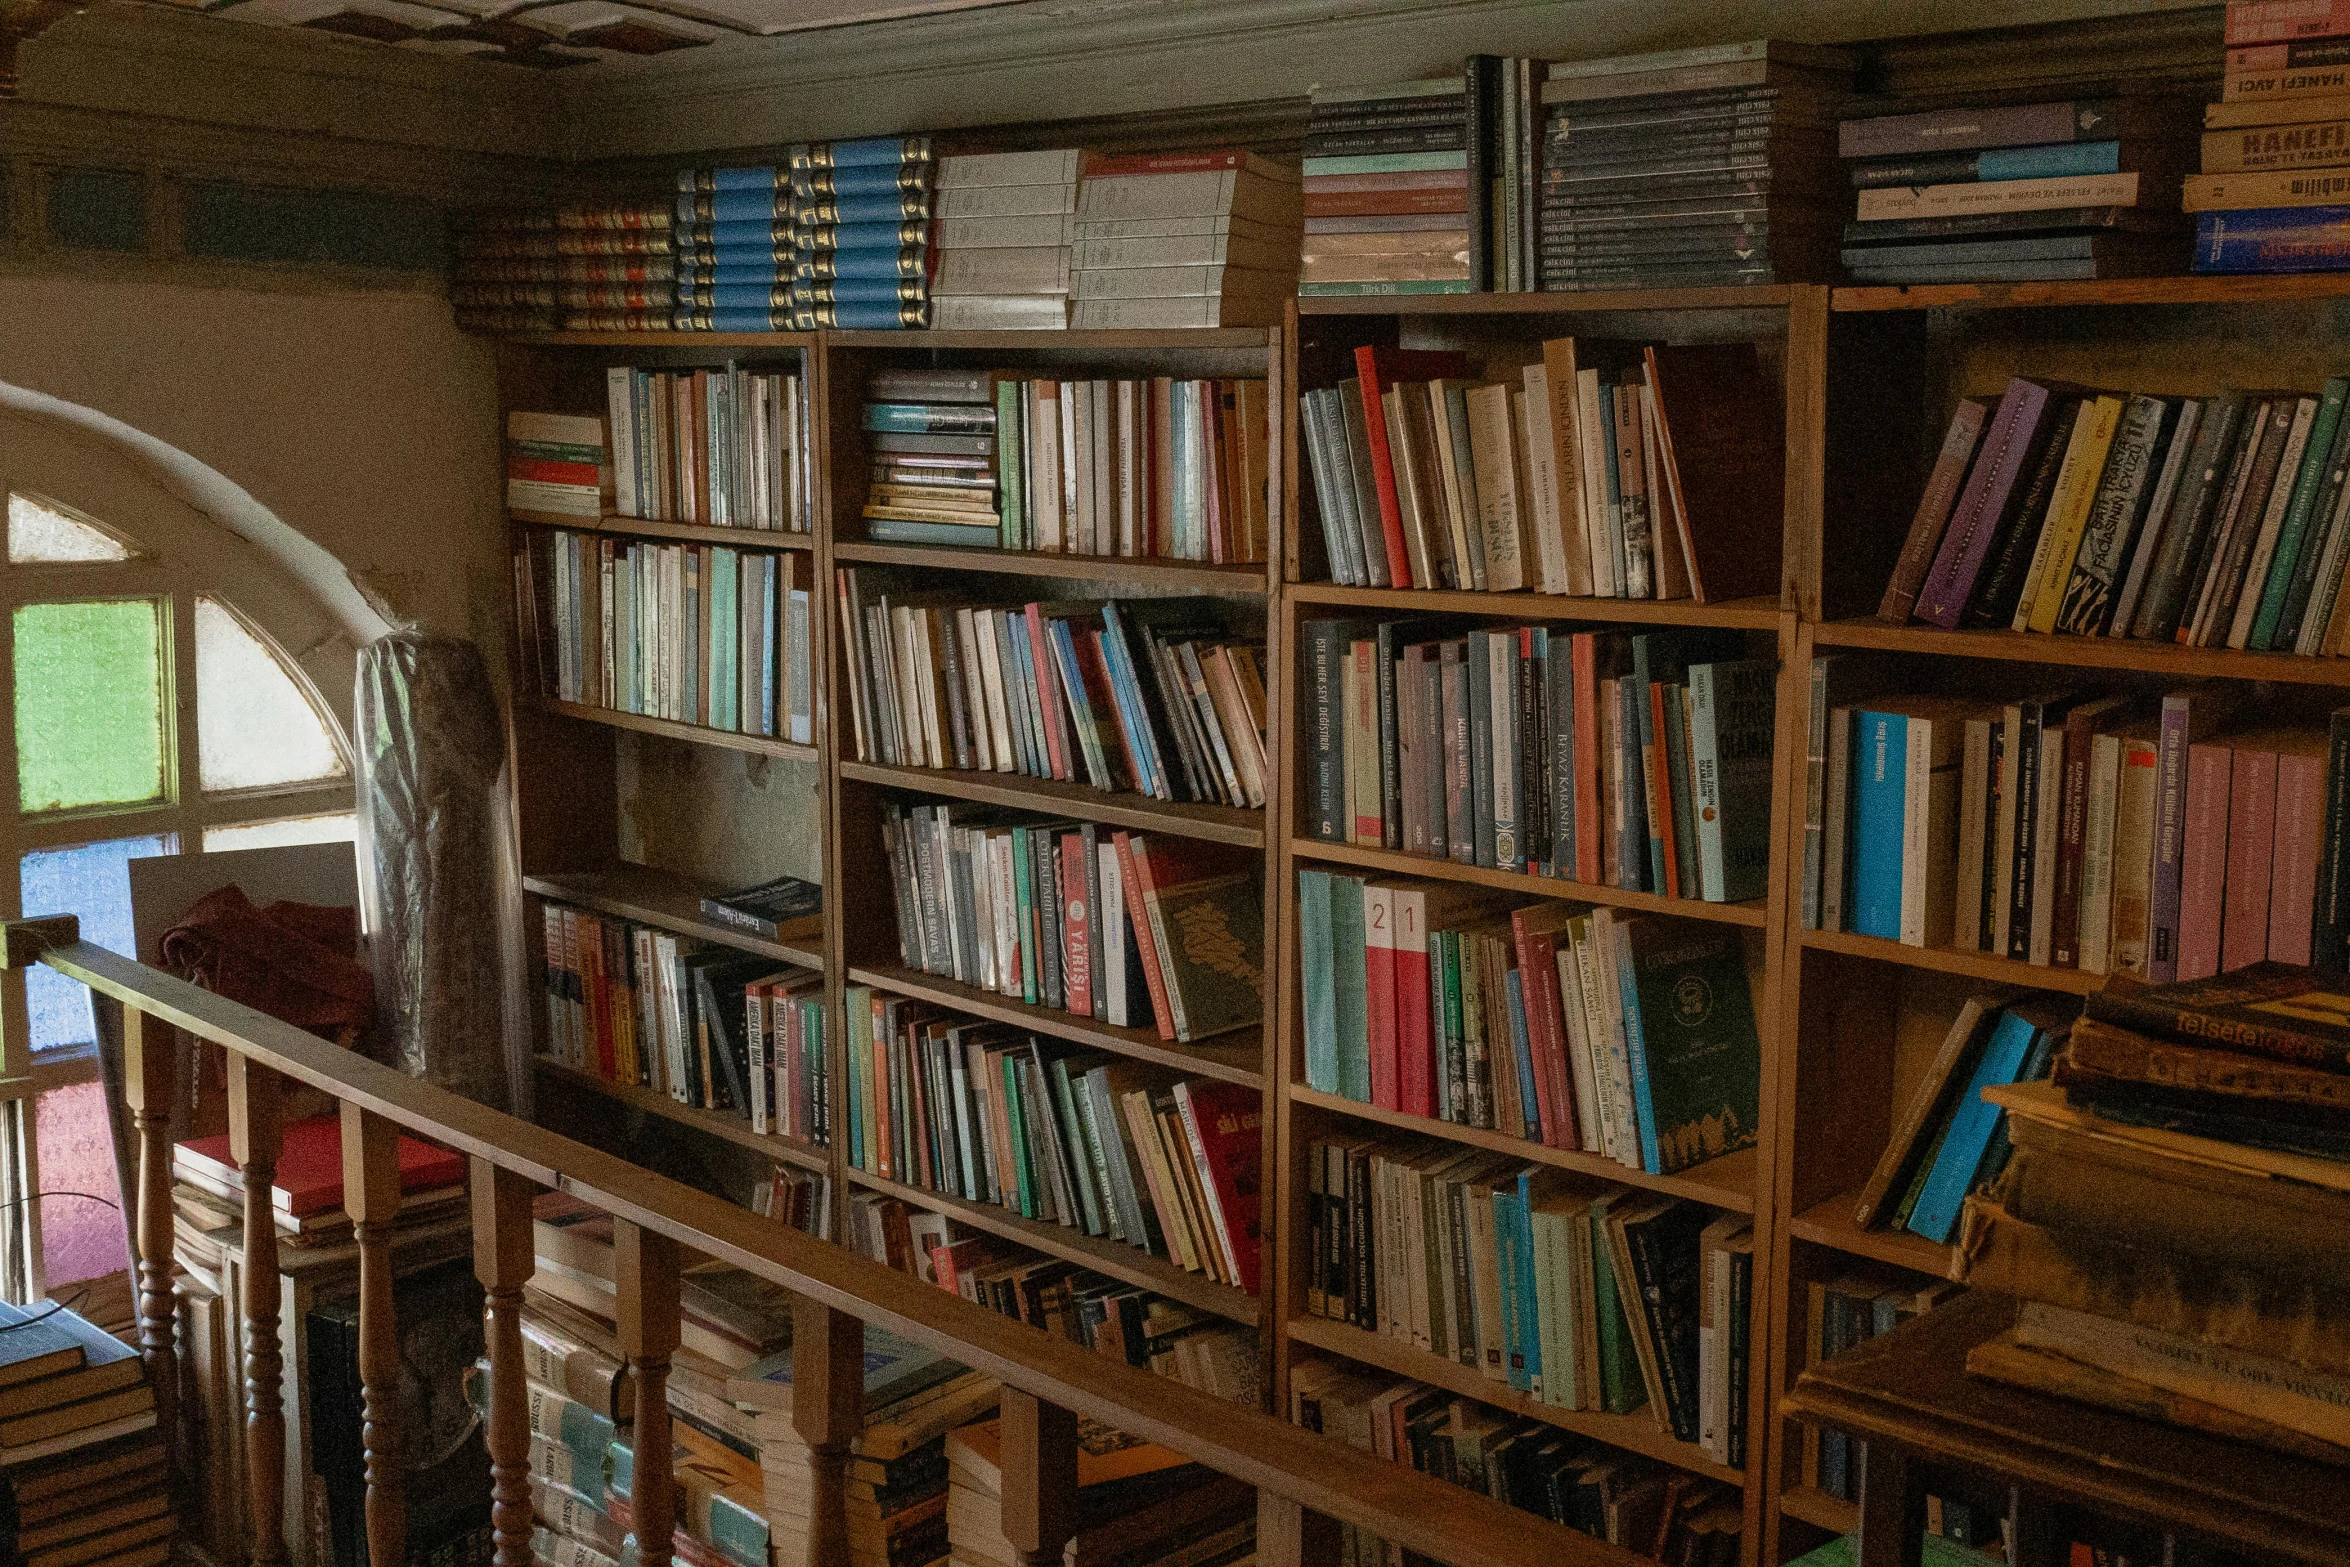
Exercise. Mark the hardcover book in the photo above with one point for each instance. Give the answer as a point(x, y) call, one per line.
point(1696, 1058)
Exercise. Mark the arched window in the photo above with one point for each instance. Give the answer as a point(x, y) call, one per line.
point(169, 688)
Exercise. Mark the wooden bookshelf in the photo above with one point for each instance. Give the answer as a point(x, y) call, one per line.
point(664, 899)
point(1822, 1511)
point(1830, 1224)
point(1051, 796)
point(1985, 966)
point(1132, 575)
point(1613, 301)
point(713, 1123)
point(2167, 659)
point(1751, 614)
point(2191, 290)
point(1393, 862)
point(691, 734)
point(686, 532)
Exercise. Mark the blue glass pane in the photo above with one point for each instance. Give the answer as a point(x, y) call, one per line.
point(92, 880)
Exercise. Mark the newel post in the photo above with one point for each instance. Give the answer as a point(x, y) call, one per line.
point(150, 1084)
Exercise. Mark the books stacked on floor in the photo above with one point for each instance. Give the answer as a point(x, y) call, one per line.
point(2274, 191)
point(1137, 1503)
point(1387, 208)
point(699, 634)
point(1597, 469)
point(1553, 1022)
point(730, 1317)
point(2219, 521)
point(723, 448)
point(1118, 1149)
point(585, 268)
point(721, 1490)
point(1636, 761)
point(707, 1026)
point(94, 1500)
point(861, 230)
point(581, 1395)
point(306, 1196)
point(557, 463)
point(1851, 1309)
point(1057, 691)
point(1136, 930)
point(1157, 468)
point(1691, 168)
point(2154, 1218)
point(1635, 1502)
point(2079, 188)
point(2166, 838)
point(1005, 225)
point(1185, 239)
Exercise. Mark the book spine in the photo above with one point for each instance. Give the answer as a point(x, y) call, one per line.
point(2262, 149)
point(1933, 513)
point(2203, 860)
point(2072, 842)
point(1879, 826)
point(1907, 135)
point(2006, 451)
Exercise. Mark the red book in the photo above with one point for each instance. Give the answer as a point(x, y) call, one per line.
point(2203, 875)
point(2252, 829)
point(1077, 926)
point(1138, 919)
point(1048, 690)
point(1415, 1035)
point(549, 470)
point(1536, 930)
point(310, 1166)
point(1658, 758)
point(1379, 988)
point(1101, 702)
point(1177, 163)
point(1380, 368)
point(1224, 1124)
point(2292, 883)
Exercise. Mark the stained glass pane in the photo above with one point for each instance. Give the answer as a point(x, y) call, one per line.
point(89, 721)
point(340, 827)
point(255, 725)
point(81, 1237)
point(92, 880)
point(39, 532)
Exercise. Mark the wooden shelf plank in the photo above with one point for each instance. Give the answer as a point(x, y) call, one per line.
point(1217, 823)
point(1115, 1258)
point(2192, 290)
point(1394, 862)
point(1830, 1224)
point(1817, 1508)
point(1636, 1432)
point(1237, 1057)
point(716, 1123)
point(1726, 1182)
point(1728, 297)
point(1161, 575)
point(634, 340)
point(1949, 960)
point(1254, 337)
point(645, 527)
point(692, 734)
point(1750, 614)
point(664, 899)
point(2162, 658)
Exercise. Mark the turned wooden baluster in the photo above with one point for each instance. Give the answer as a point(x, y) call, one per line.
point(254, 1133)
point(828, 1410)
point(646, 1262)
point(1290, 1536)
point(1040, 1477)
point(504, 1259)
point(371, 1195)
point(150, 1082)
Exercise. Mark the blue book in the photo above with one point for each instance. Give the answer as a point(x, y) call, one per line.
point(1088, 722)
point(1528, 1357)
point(1516, 1310)
point(874, 317)
point(743, 262)
point(1632, 835)
point(756, 232)
point(862, 236)
point(1319, 979)
point(757, 176)
point(2041, 163)
point(761, 297)
point(1350, 962)
point(1636, 1057)
point(874, 207)
point(2273, 239)
point(767, 647)
point(900, 263)
point(767, 205)
point(740, 320)
point(725, 638)
point(1133, 717)
point(1528, 1104)
point(1880, 768)
point(1969, 1134)
point(870, 179)
point(869, 151)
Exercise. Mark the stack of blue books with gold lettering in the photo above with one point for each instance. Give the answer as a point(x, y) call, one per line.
point(732, 233)
point(860, 226)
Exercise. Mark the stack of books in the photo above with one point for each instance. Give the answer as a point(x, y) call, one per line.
point(2081, 188)
point(1387, 190)
point(2274, 194)
point(1635, 761)
point(1091, 693)
point(733, 229)
point(860, 232)
point(1691, 168)
point(577, 268)
point(1849, 1309)
point(557, 463)
point(306, 1197)
point(1029, 908)
point(1137, 1504)
point(723, 448)
point(2155, 1217)
point(83, 1471)
point(933, 439)
point(1157, 244)
point(1005, 224)
point(1553, 1022)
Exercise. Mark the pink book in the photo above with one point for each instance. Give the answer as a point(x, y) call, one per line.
point(1379, 985)
point(1076, 928)
point(2252, 829)
point(2292, 881)
point(2202, 877)
point(1415, 1036)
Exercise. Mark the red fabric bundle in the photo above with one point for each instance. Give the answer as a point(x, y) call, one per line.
point(291, 960)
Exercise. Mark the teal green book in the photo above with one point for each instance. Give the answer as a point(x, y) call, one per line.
point(580, 1431)
point(1374, 289)
point(726, 1520)
point(862, 1120)
point(1320, 980)
point(2316, 456)
point(1389, 162)
point(1621, 1385)
point(1351, 1007)
point(1696, 1059)
point(1451, 1092)
point(1014, 1112)
point(1011, 455)
point(906, 530)
point(1086, 1167)
point(1023, 898)
point(725, 637)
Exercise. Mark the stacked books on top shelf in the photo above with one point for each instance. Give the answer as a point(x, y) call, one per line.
point(1632, 761)
point(306, 1196)
point(1387, 190)
point(1005, 225)
point(1137, 931)
point(1118, 1149)
point(85, 1477)
point(735, 249)
point(1692, 168)
point(2274, 194)
point(557, 463)
point(1062, 691)
point(837, 236)
point(2218, 521)
point(1136, 1504)
point(2080, 188)
point(578, 268)
point(1552, 1022)
point(1598, 469)
point(1186, 239)
point(725, 448)
point(2155, 1216)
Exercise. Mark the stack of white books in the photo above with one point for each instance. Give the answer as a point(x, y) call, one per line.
point(1186, 239)
point(1004, 230)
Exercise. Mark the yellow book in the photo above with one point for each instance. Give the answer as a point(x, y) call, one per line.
point(2069, 501)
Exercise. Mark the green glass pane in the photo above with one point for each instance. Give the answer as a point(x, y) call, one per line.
point(89, 716)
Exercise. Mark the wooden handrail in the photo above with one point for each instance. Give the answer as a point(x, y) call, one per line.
point(1304, 1479)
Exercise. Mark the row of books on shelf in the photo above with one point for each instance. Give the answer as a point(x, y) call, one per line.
point(2272, 192)
point(1634, 761)
point(1146, 698)
point(1138, 931)
point(1630, 1037)
point(706, 1026)
point(1163, 467)
point(1647, 1507)
point(1849, 1309)
point(724, 448)
point(1135, 1503)
point(2212, 522)
point(1598, 469)
point(708, 635)
point(989, 1113)
point(2164, 837)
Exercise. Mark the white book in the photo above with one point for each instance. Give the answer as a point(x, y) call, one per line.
point(1187, 310)
point(2045, 825)
point(1594, 988)
point(620, 398)
point(1929, 821)
point(2280, 501)
point(2097, 854)
point(1578, 1025)
point(1550, 545)
point(980, 170)
point(999, 312)
point(1115, 1006)
point(1031, 269)
point(1609, 940)
point(1043, 429)
point(1004, 201)
point(1606, 580)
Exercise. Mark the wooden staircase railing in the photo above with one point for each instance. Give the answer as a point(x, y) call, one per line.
point(1306, 1484)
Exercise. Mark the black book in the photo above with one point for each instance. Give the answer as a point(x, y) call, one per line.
point(1421, 138)
point(2012, 542)
point(784, 909)
point(2189, 521)
point(1483, 114)
point(1665, 1264)
point(719, 1023)
point(1327, 645)
point(2056, 220)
